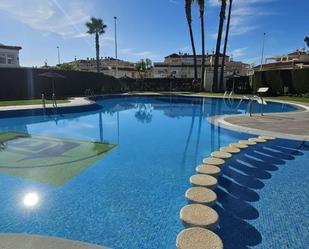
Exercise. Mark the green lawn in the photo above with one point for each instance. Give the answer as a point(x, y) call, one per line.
point(30, 102)
point(284, 98)
point(292, 99)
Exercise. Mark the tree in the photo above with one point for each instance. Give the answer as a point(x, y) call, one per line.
point(201, 4)
point(216, 66)
point(67, 66)
point(188, 4)
point(225, 44)
point(307, 40)
point(97, 27)
point(148, 63)
point(140, 67)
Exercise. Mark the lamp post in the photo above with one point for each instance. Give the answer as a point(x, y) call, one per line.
point(263, 47)
point(58, 54)
point(116, 46)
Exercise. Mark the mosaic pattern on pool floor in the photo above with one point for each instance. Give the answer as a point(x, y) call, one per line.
point(47, 159)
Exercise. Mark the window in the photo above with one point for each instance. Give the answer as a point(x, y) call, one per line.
point(10, 59)
point(2, 59)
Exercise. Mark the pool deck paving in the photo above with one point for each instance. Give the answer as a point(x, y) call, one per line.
point(290, 125)
point(27, 241)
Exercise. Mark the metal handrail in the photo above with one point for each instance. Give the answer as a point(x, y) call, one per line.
point(89, 93)
point(43, 104)
point(259, 100)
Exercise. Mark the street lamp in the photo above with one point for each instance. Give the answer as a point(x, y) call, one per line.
point(116, 46)
point(58, 54)
point(263, 47)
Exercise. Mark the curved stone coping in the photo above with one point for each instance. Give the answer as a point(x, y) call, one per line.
point(267, 137)
point(201, 195)
point(74, 102)
point(198, 215)
point(27, 241)
point(230, 149)
point(221, 154)
point(208, 169)
point(203, 181)
point(247, 142)
point(239, 145)
point(198, 238)
point(213, 161)
point(257, 140)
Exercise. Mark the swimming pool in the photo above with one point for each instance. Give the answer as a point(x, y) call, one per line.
point(131, 197)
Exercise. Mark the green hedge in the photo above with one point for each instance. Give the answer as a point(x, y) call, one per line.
point(297, 80)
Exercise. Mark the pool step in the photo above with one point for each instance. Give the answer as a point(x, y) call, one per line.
point(201, 180)
point(198, 238)
point(221, 154)
point(208, 170)
point(213, 161)
point(199, 216)
point(201, 195)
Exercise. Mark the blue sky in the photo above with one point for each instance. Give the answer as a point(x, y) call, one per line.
point(147, 29)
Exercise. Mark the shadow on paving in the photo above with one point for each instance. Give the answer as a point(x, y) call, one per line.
point(242, 176)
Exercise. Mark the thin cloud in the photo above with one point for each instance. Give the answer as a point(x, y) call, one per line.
point(66, 19)
point(239, 52)
point(245, 14)
point(173, 1)
point(137, 54)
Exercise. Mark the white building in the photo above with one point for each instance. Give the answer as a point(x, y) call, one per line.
point(295, 60)
point(182, 66)
point(110, 66)
point(9, 56)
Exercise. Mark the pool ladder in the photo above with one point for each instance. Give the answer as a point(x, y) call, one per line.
point(54, 102)
point(259, 100)
point(89, 93)
point(43, 104)
point(256, 98)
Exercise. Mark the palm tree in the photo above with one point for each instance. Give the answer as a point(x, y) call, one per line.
point(188, 4)
point(216, 66)
point(201, 4)
point(225, 44)
point(97, 27)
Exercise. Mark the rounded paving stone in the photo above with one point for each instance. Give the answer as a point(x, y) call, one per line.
point(198, 215)
point(213, 161)
point(201, 180)
point(239, 145)
point(198, 238)
point(257, 140)
point(230, 149)
point(247, 142)
point(267, 137)
point(201, 195)
point(221, 154)
point(208, 170)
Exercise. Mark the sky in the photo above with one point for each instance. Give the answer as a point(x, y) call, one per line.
point(148, 29)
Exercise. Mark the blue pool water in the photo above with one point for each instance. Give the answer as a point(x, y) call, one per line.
point(131, 197)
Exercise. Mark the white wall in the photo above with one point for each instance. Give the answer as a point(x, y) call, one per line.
point(9, 58)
